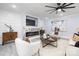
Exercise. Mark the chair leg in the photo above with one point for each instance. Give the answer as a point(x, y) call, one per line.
point(38, 52)
point(56, 44)
point(2, 43)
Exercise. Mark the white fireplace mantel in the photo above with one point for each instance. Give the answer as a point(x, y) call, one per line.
point(31, 28)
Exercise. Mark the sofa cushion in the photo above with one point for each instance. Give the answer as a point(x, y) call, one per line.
point(25, 48)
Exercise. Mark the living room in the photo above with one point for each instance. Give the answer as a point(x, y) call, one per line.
point(27, 19)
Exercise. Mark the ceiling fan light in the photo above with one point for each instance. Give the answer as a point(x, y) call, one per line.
point(59, 9)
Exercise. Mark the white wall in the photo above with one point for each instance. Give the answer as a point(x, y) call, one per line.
point(17, 21)
point(70, 24)
point(10, 18)
point(40, 22)
point(48, 25)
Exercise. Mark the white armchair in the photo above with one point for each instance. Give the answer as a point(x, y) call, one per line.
point(27, 49)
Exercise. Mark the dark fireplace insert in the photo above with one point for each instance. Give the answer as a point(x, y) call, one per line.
point(32, 33)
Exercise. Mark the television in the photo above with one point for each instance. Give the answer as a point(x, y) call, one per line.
point(30, 21)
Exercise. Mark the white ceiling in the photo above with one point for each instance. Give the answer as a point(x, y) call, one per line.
point(37, 9)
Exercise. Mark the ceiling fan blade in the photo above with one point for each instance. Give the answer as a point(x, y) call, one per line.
point(68, 4)
point(58, 4)
point(64, 4)
point(50, 6)
point(69, 7)
point(49, 10)
point(52, 11)
point(63, 10)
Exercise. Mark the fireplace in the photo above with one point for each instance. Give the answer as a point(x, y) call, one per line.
point(32, 31)
point(28, 34)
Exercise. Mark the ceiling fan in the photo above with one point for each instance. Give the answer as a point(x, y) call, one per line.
point(59, 7)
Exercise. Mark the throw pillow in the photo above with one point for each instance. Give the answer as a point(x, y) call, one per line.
point(76, 38)
point(77, 44)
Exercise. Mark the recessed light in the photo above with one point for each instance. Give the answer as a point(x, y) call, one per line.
point(13, 6)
